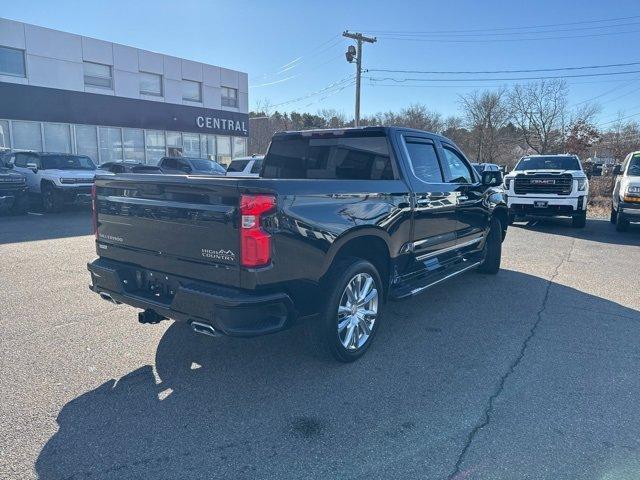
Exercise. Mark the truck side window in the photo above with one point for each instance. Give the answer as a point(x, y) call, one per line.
point(424, 160)
point(21, 160)
point(458, 169)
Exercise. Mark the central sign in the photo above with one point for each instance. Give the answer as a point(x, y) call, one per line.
point(215, 123)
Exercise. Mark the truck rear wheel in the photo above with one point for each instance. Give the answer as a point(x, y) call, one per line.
point(614, 215)
point(354, 301)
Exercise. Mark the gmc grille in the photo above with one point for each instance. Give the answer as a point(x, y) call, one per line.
point(548, 184)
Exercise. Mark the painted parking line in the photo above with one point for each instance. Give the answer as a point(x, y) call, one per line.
point(35, 213)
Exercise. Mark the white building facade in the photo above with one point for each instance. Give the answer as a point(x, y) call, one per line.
point(61, 92)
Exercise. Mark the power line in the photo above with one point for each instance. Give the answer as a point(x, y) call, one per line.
point(402, 80)
point(506, 40)
point(521, 27)
point(327, 89)
point(476, 72)
point(488, 34)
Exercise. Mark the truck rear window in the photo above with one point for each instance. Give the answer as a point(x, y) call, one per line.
point(348, 158)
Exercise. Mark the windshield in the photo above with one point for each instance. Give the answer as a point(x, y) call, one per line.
point(207, 166)
point(634, 166)
point(548, 163)
point(237, 165)
point(67, 162)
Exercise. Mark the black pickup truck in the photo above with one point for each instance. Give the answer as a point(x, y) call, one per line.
point(338, 222)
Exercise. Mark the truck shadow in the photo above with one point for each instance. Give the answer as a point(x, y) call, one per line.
point(265, 407)
point(75, 221)
point(596, 230)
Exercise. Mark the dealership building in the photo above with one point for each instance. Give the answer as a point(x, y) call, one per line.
point(61, 92)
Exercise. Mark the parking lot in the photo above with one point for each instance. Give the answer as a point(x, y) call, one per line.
point(532, 373)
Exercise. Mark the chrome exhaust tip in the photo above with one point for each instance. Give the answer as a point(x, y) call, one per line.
point(204, 329)
point(107, 297)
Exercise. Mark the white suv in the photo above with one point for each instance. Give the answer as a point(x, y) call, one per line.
point(548, 185)
point(58, 178)
point(625, 207)
point(245, 167)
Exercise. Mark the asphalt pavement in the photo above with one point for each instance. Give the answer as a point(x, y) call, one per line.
point(532, 373)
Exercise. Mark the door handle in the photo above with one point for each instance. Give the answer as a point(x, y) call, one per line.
point(462, 198)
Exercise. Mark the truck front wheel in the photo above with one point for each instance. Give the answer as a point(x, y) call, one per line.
point(351, 316)
point(579, 220)
point(52, 199)
point(492, 249)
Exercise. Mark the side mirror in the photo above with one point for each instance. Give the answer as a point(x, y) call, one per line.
point(617, 169)
point(33, 167)
point(492, 178)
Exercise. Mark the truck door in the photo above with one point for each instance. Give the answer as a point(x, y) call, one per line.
point(472, 215)
point(434, 215)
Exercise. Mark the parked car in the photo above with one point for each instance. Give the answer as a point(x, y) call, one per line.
point(245, 166)
point(486, 167)
point(190, 166)
point(56, 178)
point(625, 207)
point(389, 213)
point(548, 185)
point(14, 196)
point(129, 167)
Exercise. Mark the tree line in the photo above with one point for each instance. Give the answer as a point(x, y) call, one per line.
point(494, 126)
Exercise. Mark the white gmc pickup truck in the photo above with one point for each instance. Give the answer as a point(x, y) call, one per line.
point(548, 185)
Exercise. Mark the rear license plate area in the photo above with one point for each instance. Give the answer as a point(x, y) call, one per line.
point(540, 204)
point(154, 285)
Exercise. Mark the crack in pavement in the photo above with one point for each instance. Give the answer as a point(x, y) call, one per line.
point(486, 415)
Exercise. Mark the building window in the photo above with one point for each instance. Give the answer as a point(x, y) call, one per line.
point(97, 75)
point(150, 84)
point(133, 142)
point(155, 146)
point(4, 135)
point(87, 141)
point(174, 144)
point(191, 91)
point(57, 137)
point(26, 136)
point(191, 143)
point(110, 144)
point(229, 97)
point(211, 146)
point(223, 156)
point(12, 62)
point(203, 146)
point(239, 147)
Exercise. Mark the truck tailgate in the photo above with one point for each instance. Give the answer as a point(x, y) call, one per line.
point(171, 223)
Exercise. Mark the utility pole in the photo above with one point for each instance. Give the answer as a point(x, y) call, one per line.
point(357, 54)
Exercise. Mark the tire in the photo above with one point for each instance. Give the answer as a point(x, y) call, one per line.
point(492, 249)
point(20, 206)
point(622, 224)
point(614, 215)
point(52, 200)
point(579, 220)
point(352, 341)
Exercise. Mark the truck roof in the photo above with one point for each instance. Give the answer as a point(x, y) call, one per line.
point(353, 130)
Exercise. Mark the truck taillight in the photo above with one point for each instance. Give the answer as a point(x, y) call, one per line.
point(93, 209)
point(255, 243)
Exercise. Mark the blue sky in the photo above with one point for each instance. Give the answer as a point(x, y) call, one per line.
point(263, 38)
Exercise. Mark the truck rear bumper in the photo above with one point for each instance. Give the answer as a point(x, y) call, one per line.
point(228, 310)
point(546, 206)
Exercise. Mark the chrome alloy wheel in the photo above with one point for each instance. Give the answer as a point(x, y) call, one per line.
point(357, 311)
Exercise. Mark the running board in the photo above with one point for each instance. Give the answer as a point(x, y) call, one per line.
point(417, 290)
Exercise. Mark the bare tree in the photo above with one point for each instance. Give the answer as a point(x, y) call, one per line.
point(539, 111)
point(486, 114)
